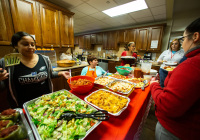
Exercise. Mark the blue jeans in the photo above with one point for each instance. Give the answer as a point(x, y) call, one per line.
point(163, 134)
point(163, 74)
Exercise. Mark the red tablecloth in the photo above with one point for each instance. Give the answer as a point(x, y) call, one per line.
point(125, 125)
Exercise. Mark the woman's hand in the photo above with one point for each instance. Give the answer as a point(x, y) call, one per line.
point(156, 81)
point(3, 75)
point(66, 74)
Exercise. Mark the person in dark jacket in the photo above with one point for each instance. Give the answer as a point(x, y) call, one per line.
point(29, 79)
point(178, 103)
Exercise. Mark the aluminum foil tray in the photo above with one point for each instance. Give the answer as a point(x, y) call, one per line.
point(100, 85)
point(24, 124)
point(118, 80)
point(35, 131)
point(114, 114)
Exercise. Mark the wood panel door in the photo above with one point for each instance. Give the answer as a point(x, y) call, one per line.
point(155, 36)
point(99, 38)
point(50, 26)
point(142, 39)
point(112, 40)
point(121, 36)
point(81, 42)
point(87, 42)
point(6, 26)
point(93, 38)
point(76, 40)
point(130, 35)
point(66, 30)
point(25, 18)
point(105, 40)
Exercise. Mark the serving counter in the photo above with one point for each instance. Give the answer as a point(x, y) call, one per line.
point(128, 125)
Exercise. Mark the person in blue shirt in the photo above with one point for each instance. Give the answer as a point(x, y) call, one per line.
point(93, 70)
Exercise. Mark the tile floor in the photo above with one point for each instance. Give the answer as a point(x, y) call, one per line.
point(148, 131)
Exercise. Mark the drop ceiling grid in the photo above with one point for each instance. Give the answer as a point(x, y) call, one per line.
point(88, 13)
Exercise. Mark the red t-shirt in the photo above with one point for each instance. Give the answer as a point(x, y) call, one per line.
point(124, 62)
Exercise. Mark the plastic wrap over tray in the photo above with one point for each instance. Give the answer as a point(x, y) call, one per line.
point(118, 80)
point(35, 131)
point(100, 85)
point(114, 114)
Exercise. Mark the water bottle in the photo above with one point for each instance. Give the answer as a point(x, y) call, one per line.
point(51, 53)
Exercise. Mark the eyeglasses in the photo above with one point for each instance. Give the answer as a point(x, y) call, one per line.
point(182, 38)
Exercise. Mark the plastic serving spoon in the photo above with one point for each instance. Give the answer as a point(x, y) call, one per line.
point(145, 82)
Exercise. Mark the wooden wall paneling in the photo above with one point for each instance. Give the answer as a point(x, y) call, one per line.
point(50, 26)
point(6, 26)
point(25, 18)
point(66, 30)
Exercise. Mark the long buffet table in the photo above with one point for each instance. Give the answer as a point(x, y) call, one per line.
point(128, 125)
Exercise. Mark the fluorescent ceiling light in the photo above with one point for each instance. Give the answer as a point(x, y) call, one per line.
point(126, 8)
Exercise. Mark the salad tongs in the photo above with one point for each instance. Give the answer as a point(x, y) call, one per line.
point(100, 115)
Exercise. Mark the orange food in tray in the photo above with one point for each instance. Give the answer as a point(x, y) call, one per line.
point(81, 82)
point(118, 76)
point(108, 101)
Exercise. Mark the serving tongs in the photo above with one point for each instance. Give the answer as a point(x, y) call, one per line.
point(11, 60)
point(100, 115)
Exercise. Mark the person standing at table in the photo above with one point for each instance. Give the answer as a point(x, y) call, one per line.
point(129, 51)
point(173, 54)
point(29, 79)
point(93, 70)
point(177, 106)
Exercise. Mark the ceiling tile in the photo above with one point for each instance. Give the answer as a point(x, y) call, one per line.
point(141, 14)
point(124, 19)
point(79, 22)
point(71, 3)
point(158, 10)
point(78, 14)
point(86, 9)
point(146, 19)
point(120, 2)
point(99, 15)
point(102, 4)
point(155, 3)
point(88, 19)
point(160, 17)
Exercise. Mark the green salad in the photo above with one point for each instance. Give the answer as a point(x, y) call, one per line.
point(46, 111)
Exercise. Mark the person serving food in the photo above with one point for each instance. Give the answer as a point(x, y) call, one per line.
point(29, 79)
point(129, 51)
point(93, 70)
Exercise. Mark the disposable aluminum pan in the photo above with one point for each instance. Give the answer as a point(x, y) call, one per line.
point(118, 80)
point(114, 114)
point(100, 85)
point(24, 124)
point(34, 128)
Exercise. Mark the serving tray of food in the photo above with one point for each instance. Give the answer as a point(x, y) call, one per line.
point(13, 125)
point(138, 81)
point(118, 76)
point(107, 100)
point(121, 86)
point(44, 116)
point(103, 81)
